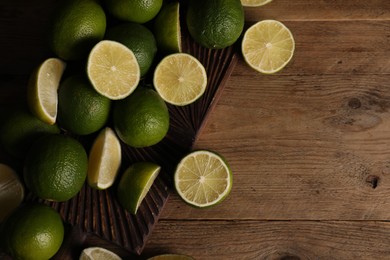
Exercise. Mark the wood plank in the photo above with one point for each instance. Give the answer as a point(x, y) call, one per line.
point(301, 147)
point(309, 10)
point(272, 239)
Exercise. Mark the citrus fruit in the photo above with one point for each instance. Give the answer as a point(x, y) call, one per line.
point(180, 79)
point(104, 160)
point(215, 24)
point(98, 253)
point(139, 11)
point(81, 110)
point(137, 38)
point(55, 167)
point(33, 231)
point(76, 27)
point(253, 3)
point(138, 179)
point(19, 128)
point(268, 46)
point(11, 191)
point(171, 257)
point(42, 89)
point(167, 28)
point(113, 69)
point(142, 119)
point(203, 179)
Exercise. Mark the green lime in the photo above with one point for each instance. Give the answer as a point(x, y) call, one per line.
point(203, 179)
point(19, 128)
point(215, 24)
point(139, 11)
point(81, 110)
point(55, 167)
point(76, 27)
point(138, 179)
point(167, 28)
point(137, 38)
point(141, 119)
point(33, 231)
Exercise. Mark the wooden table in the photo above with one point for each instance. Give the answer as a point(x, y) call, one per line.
point(309, 146)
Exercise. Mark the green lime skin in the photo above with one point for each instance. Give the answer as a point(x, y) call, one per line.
point(81, 109)
point(141, 119)
point(77, 25)
point(215, 24)
point(33, 231)
point(138, 11)
point(167, 29)
point(137, 38)
point(55, 167)
point(19, 128)
point(131, 186)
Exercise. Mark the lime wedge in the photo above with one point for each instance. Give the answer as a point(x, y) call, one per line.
point(167, 28)
point(180, 79)
point(268, 46)
point(42, 89)
point(98, 253)
point(11, 191)
point(135, 184)
point(113, 69)
point(104, 160)
point(203, 179)
point(254, 3)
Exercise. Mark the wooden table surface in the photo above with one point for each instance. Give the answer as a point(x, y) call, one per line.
point(309, 146)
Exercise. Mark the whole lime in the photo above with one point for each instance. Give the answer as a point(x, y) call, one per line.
point(19, 128)
point(55, 167)
point(137, 38)
point(76, 27)
point(81, 110)
point(33, 231)
point(215, 24)
point(141, 119)
point(139, 11)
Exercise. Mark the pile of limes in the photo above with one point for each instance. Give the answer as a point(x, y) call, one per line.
point(115, 66)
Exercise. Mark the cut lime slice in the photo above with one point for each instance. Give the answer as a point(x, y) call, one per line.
point(203, 179)
point(98, 253)
point(11, 191)
point(167, 28)
point(268, 46)
point(180, 79)
point(135, 184)
point(113, 69)
point(254, 3)
point(42, 89)
point(104, 160)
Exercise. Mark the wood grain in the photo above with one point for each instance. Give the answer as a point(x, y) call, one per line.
point(272, 240)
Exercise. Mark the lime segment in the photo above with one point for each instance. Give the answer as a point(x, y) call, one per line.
point(11, 191)
point(254, 3)
point(113, 69)
point(98, 253)
point(180, 79)
point(203, 179)
point(42, 89)
point(268, 46)
point(104, 160)
point(167, 28)
point(138, 179)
